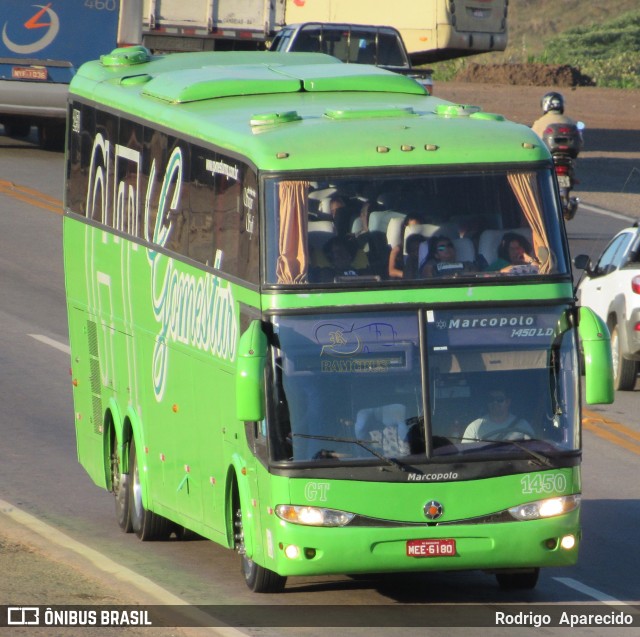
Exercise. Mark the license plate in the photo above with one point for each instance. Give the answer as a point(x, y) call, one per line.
point(431, 548)
point(29, 73)
point(564, 181)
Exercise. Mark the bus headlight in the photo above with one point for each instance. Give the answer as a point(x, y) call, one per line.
point(313, 516)
point(546, 508)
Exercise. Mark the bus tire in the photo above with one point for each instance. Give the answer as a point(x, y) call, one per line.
point(624, 370)
point(121, 489)
point(260, 579)
point(257, 578)
point(523, 580)
point(148, 526)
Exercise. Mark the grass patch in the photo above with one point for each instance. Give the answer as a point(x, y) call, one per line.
point(606, 51)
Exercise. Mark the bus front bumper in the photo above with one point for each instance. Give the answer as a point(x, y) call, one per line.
point(299, 550)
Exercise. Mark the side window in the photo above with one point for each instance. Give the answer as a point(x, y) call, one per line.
point(612, 255)
point(227, 201)
point(83, 122)
point(128, 160)
point(389, 51)
point(307, 40)
point(622, 255)
point(249, 235)
point(165, 161)
point(223, 227)
point(633, 255)
point(101, 206)
point(201, 196)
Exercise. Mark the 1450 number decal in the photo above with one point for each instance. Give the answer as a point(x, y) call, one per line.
point(544, 483)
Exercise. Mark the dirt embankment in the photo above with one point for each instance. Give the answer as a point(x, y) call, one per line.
point(535, 74)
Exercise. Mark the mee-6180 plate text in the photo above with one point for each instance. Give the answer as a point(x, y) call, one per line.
point(431, 548)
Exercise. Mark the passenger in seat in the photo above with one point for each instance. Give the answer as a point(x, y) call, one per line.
point(515, 256)
point(412, 258)
point(397, 258)
point(442, 259)
point(341, 215)
point(341, 253)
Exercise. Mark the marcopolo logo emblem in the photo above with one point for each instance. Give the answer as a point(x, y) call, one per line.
point(433, 510)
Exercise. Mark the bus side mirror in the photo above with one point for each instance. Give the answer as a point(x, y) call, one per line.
point(583, 262)
point(598, 368)
point(252, 356)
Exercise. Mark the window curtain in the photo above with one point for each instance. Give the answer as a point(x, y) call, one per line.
point(293, 257)
point(525, 188)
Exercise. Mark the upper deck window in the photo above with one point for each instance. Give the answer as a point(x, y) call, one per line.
point(416, 227)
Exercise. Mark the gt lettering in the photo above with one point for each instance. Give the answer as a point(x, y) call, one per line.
point(544, 483)
point(316, 491)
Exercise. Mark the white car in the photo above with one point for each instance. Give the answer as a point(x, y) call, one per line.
point(611, 288)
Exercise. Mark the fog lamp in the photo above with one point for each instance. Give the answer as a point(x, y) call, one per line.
point(292, 551)
point(568, 542)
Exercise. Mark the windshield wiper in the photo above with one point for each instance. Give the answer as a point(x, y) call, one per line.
point(542, 459)
point(361, 443)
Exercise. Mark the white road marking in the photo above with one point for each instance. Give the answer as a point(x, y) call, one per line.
point(113, 569)
point(51, 343)
point(607, 213)
point(590, 592)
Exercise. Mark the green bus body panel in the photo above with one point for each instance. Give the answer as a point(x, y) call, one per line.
point(390, 296)
point(487, 546)
point(383, 548)
point(87, 404)
point(160, 378)
point(405, 501)
point(212, 113)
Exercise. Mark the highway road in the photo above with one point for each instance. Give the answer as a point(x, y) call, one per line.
point(40, 477)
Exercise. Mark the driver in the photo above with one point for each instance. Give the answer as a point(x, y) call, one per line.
point(498, 423)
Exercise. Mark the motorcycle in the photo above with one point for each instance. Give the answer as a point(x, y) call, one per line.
point(564, 142)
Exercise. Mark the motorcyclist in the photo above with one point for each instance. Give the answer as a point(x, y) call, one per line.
point(553, 113)
point(562, 135)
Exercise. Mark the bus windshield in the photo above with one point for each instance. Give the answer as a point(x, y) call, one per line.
point(353, 386)
point(382, 227)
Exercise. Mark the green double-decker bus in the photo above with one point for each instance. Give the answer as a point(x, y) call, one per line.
point(299, 326)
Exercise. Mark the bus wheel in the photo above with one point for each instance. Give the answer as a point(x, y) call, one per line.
point(624, 371)
point(518, 580)
point(145, 524)
point(257, 578)
point(121, 489)
point(260, 579)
